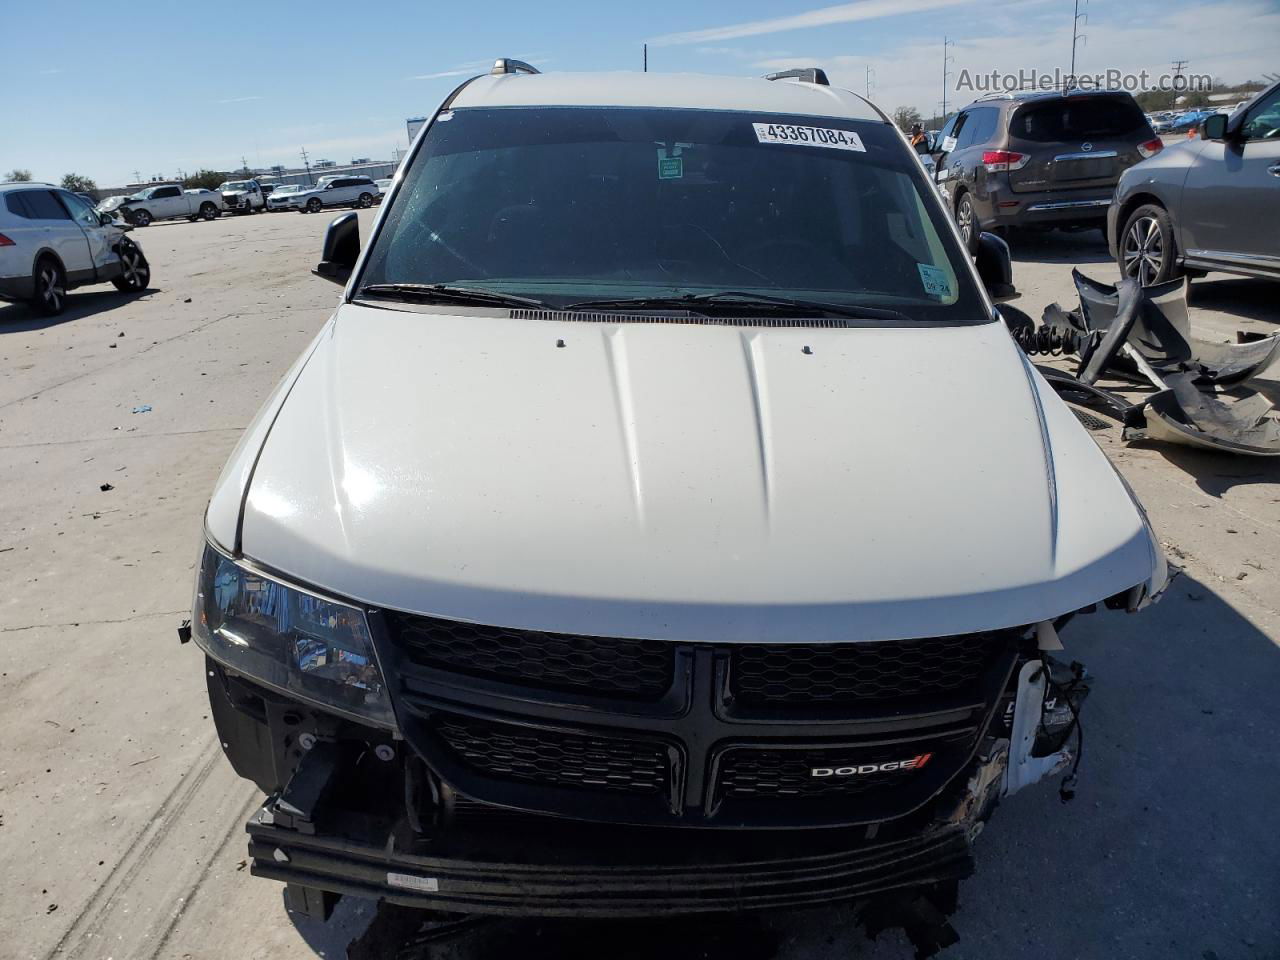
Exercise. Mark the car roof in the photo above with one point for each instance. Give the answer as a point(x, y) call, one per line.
point(1019, 97)
point(689, 91)
point(10, 185)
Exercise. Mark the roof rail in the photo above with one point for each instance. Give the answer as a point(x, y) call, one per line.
point(1041, 91)
point(807, 74)
point(503, 65)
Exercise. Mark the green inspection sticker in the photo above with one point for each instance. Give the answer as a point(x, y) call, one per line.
point(670, 168)
point(935, 280)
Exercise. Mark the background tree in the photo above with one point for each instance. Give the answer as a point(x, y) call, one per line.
point(17, 175)
point(205, 179)
point(904, 117)
point(78, 184)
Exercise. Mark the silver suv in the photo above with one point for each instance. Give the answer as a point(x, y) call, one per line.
point(1211, 203)
point(52, 241)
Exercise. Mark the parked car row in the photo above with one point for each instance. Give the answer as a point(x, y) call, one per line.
point(1091, 159)
point(170, 201)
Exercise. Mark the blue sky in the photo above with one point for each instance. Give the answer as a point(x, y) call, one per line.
point(161, 87)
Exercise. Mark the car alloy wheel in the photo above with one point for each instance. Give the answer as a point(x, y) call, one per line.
point(964, 219)
point(134, 270)
point(313, 205)
point(1143, 250)
point(51, 289)
point(142, 219)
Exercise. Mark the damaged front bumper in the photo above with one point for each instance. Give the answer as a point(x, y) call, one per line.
point(586, 871)
point(374, 821)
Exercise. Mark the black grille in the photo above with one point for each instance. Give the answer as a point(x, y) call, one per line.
point(641, 669)
point(553, 758)
point(772, 774)
point(854, 672)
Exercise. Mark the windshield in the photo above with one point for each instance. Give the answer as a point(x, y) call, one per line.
point(288, 188)
point(569, 204)
point(235, 185)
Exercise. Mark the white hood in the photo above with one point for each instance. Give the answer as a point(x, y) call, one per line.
point(684, 482)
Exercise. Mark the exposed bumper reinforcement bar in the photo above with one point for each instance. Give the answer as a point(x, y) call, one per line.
point(585, 889)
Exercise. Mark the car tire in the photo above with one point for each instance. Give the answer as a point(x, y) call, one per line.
point(1146, 250)
point(141, 218)
point(208, 211)
point(49, 287)
point(314, 205)
point(967, 222)
point(366, 200)
point(136, 273)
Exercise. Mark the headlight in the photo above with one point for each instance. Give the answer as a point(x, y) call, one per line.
point(299, 643)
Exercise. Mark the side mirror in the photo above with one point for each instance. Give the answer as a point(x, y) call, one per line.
point(105, 219)
point(341, 249)
point(1214, 127)
point(995, 267)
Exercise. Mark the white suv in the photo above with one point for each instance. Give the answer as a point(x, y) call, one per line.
point(52, 241)
point(583, 538)
point(338, 192)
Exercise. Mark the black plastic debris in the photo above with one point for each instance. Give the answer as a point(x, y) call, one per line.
point(1143, 334)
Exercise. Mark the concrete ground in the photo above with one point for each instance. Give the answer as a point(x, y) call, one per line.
point(121, 823)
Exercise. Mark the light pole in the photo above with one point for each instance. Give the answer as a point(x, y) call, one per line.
point(1076, 37)
point(946, 72)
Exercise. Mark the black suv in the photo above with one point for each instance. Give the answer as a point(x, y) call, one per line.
point(1052, 158)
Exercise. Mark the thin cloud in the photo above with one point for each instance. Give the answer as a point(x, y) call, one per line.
point(442, 74)
point(461, 70)
point(842, 13)
point(239, 99)
point(468, 69)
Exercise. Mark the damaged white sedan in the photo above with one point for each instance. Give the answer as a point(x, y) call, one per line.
point(664, 522)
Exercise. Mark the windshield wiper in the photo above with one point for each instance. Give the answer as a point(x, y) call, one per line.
point(739, 300)
point(446, 293)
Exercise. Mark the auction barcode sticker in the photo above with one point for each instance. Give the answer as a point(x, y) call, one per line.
point(808, 136)
point(407, 881)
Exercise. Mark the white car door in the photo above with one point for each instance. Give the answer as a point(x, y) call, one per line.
point(98, 236)
point(168, 202)
point(59, 233)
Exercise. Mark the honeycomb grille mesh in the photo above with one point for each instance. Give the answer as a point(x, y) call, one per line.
point(774, 774)
point(553, 758)
point(779, 774)
point(849, 672)
point(640, 669)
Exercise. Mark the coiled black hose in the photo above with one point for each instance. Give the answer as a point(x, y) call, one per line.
point(1045, 341)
